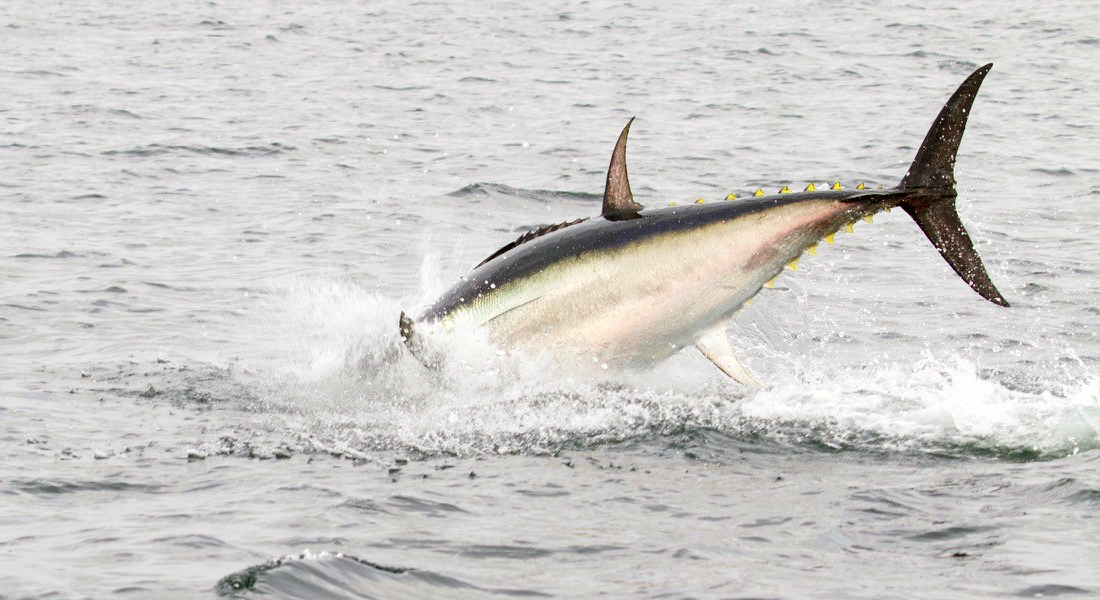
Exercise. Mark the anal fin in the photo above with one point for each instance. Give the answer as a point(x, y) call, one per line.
point(715, 345)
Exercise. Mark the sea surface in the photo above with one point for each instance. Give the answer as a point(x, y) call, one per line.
point(212, 213)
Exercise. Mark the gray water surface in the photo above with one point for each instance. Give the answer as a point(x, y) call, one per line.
point(212, 214)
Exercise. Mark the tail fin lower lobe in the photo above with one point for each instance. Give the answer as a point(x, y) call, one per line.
point(930, 183)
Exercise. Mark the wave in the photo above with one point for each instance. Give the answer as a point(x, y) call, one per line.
point(501, 190)
point(269, 149)
point(312, 576)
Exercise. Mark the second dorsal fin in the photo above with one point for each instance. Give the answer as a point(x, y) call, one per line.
point(617, 199)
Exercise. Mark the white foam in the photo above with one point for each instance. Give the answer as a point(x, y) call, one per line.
point(937, 401)
point(339, 373)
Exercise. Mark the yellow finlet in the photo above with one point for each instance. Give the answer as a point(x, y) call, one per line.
point(887, 209)
point(771, 282)
point(672, 204)
point(830, 239)
point(748, 302)
point(810, 188)
point(861, 186)
point(758, 192)
point(793, 265)
point(700, 201)
point(850, 228)
point(785, 190)
point(812, 250)
point(880, 186)
point(731, 196)
point(868, 217)
point(837, 186)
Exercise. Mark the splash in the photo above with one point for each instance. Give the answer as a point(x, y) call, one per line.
point(938, 404)
point(337, 379)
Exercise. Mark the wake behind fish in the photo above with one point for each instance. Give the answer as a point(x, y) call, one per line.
point(336, 378)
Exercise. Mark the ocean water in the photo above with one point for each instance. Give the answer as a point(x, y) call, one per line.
point(211, 215)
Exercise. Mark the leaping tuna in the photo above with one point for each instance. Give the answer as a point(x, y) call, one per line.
point(629, 289)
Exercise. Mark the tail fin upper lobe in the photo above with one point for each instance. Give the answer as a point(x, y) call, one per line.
point(931, 186)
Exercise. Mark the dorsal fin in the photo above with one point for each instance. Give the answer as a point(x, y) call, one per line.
point(527, 237)
point(617, 199)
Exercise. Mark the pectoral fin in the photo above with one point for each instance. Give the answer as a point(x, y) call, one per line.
point(715, 345)
point(415, 343)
